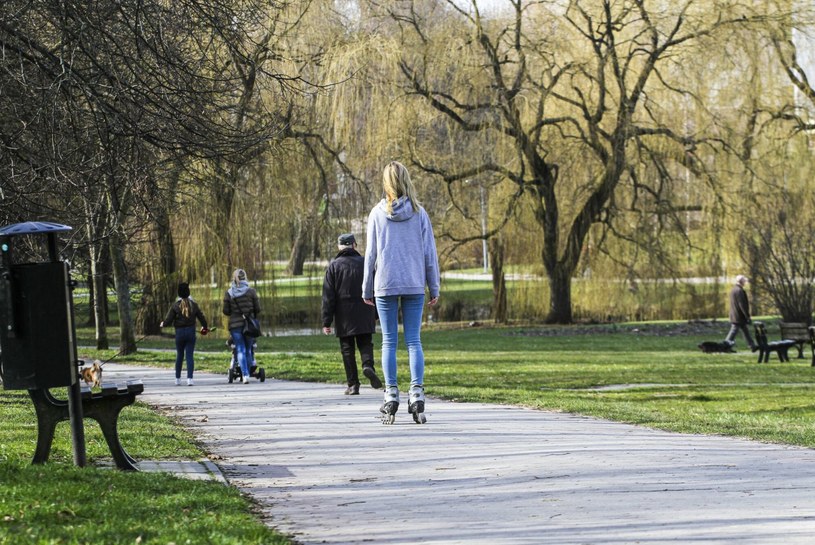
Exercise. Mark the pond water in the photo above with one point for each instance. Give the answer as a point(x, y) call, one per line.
point(292, 331)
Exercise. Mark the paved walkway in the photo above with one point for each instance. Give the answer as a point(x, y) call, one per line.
point(325, 470)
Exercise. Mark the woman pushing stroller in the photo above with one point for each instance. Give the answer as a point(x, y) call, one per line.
point(241, 302)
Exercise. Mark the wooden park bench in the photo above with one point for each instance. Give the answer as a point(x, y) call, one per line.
point(104, 407)
point(812, 342)
point(795, 331)
point(765, 347)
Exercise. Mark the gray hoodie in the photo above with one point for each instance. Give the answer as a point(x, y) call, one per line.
point(400, 254)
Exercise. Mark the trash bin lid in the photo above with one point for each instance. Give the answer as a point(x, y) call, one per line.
point(33, 227)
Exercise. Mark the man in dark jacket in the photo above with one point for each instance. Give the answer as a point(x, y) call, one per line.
point(354, 321)
point(740, 313)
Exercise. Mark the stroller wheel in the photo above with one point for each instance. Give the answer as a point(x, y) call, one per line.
point(262, 374)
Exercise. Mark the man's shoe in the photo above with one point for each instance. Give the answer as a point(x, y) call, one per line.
point(370, 374)
point(352, 390)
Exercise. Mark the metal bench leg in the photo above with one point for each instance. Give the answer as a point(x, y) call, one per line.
point(120, 456)
point(50, 412)
point(107, 415)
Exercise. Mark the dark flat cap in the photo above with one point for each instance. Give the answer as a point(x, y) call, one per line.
point(346, 239)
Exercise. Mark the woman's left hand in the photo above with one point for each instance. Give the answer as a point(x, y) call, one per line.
point(369, 302)
point(433, 300)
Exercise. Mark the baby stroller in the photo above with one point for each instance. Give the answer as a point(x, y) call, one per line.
point(234, 373)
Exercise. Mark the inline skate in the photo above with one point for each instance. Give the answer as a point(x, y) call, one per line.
point(416, 403)
point(390, 404)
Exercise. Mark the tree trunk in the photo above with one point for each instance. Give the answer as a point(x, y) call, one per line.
point(91, 321)
point(127, 339)
point(297, 257)
point(97, 283)
point(499, 285)
point(160, 279)
point(560, 295)
point(98, 289)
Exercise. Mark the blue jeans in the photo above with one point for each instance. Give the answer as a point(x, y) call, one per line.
point(243, 348)
point(184, 346)
point(388, 308)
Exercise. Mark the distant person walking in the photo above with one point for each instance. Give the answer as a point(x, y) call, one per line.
point(740, 314)
point(400, 263)
point(241, 301)
point(182, 316)
point(354, 321)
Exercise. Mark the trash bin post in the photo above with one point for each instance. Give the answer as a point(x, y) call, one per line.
point(37, 333)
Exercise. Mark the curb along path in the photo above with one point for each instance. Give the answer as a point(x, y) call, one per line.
point(325, 470)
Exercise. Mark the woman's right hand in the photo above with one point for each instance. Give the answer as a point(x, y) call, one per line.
point(369, 302)
point(433, 300)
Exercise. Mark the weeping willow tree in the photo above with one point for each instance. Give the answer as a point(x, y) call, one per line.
point(570, 103)
point(269, 198)
point(373, 122)
point(777, 242)
point(212, 209)
point(593, 128)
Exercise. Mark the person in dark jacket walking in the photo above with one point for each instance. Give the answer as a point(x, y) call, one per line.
point(354, 321)
point(182, 316)
point(240, 300)
point(740, 314)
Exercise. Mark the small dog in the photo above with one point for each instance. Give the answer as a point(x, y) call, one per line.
point(713, 347)
point(92, 375)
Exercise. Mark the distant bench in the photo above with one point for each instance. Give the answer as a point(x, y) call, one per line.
point(104, 407)
point(812, 342)
point(798, 332)
point(766, 347)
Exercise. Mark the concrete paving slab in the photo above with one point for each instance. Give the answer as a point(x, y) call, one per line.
point(202, 470)
point(326, 470)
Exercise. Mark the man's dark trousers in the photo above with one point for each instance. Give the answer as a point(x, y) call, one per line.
point(364, 342)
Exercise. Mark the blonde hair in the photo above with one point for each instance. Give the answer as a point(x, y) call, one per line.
point(396, 182)
point(185, 307)
point(238, 276)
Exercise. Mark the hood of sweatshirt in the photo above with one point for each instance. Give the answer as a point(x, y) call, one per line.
point(239, 289)
point(402, 209)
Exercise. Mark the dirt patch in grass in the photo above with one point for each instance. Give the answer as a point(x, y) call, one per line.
point(716, 328)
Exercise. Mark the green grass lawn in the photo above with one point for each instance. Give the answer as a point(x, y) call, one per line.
point(647, 374)
point(58, 503)
point(658, 380)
